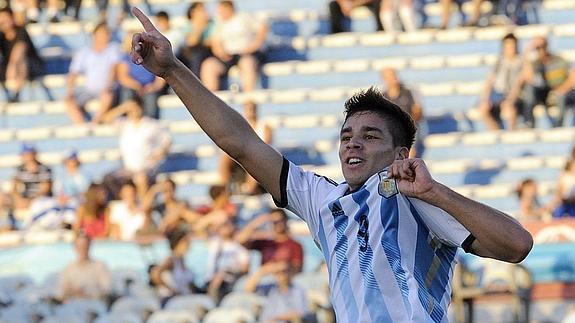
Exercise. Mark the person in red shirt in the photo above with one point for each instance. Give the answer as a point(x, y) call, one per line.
point(276, 245)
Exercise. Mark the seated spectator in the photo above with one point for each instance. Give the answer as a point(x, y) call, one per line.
point(46, 213)
point(220, 196)
point(238, 39)
point(402, 96)
point(529, 207)
point(29, 175)
point(341, 9)
point(172, 277)
point(227, 261)
point(7, 222)
point(93, 215)
point(498, 86)
point(232, 174)
point(144, 143)
point(285, 302)
point(28, 11)
point(564, 200)
point(126, 216)
point(276, 245)
point(84, 278)
point(546, 79)
point(73, 182)
point(198, 42)
point(136, 81)
point(19, 60)
point(97, 64)
point(391, 9)
point(174, 36)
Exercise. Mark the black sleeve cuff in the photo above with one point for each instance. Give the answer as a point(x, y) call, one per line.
point(466, 244)
point(283, 202)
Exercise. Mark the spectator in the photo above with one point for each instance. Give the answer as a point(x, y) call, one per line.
point(174, 36)
point(564, 201)
point(546, 78)
point(399, 94)
point(73, 182)
point(198, 42)
point(46, 213)
point(144, 143)
point(529, 207)
point(93, 216)
point(97, 64)
point(136, 81)
point(238, 40)
point(499, 84)
point(227, 261)
point(341, 9)
point(231, 173)
point(7, 221)
point(172, 277)
point(220, 196)
point(446, 6)
point(29, 175)
point(84, 278)
point(126, 217)
point(275, 246)
point(285, 302)
point(19, 60)
point(391, 9)
point(28, 11)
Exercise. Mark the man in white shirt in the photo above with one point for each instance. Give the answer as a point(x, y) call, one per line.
point(237, 40)
point(389, 233)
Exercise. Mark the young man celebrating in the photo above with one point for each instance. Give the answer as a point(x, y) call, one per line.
point(389, 232)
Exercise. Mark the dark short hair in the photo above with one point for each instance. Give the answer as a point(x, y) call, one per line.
point(176, 235)
point(281, 212)
point(193, 7)
point(511, 36)
point(216, 190)
point(162, 14)
point(399, 123)
point(522, 184)
point(227, 3)
point(7, 10)
point(101, 25)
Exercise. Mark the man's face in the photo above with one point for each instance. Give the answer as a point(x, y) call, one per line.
point(101, 37)
point(225, 12)
point(28, 157)
point(365, 147)
point(279, 223)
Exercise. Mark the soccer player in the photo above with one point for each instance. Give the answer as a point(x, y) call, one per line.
point(389, 233)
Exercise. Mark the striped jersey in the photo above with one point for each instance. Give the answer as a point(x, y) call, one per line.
point(390, 257)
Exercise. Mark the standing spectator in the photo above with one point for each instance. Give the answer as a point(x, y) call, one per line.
point(341, 9)
point(73, 182)
point(275, 246)
point(93, 216)
point(144, 143)
point(198, 42)
point(136, 81)
point(29, 175)
point(227, 261)
point(285, 302)
point(97, 64)
point(19, 60)
point(238, 40)
point(499, 84)
point(391, 9)
point(545, 79)
point(402, 96)
point(84, 278)
point(529, 207)
point(172, 277)
point(232, 174)
point(126, 216)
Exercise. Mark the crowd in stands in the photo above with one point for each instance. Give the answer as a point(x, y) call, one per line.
point(137, 203)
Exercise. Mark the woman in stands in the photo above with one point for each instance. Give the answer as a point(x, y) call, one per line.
point(93, 215)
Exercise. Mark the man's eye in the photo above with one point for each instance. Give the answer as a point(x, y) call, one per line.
point(369, 137)
point(345, 138)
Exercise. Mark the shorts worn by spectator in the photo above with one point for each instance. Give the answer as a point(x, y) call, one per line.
point(19, 60)
point(29, 175)
point(84, 278)
point(276, 245)
point(198, 42)
point(97, 64)
point(238, 39)
point(339, 10)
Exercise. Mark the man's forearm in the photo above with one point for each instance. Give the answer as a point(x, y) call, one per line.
point(221, 123)
point(499, 235)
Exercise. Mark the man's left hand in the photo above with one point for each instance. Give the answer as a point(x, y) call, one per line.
point(412, 177)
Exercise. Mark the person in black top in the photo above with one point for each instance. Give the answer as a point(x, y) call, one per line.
point(29, 175)
point(19, 61)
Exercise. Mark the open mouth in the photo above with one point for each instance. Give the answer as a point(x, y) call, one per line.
point(354, 161)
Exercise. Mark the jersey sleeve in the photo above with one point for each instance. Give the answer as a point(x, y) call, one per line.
point(445, 227)
point(303, 192)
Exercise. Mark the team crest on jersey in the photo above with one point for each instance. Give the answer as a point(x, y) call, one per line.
point(387, 186)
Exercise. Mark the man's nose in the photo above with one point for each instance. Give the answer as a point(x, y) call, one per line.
point(353, 143)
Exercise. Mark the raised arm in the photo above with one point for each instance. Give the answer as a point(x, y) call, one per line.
point(227, 128)
point(497, 235)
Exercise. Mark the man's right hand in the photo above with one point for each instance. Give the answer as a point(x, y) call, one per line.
point(152, 49)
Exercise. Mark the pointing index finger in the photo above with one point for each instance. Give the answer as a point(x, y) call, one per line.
point(144, 20)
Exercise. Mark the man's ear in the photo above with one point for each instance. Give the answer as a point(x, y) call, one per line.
point(402, 153)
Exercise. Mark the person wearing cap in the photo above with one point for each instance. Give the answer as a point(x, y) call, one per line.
point(72, 182)
point(30, 174)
